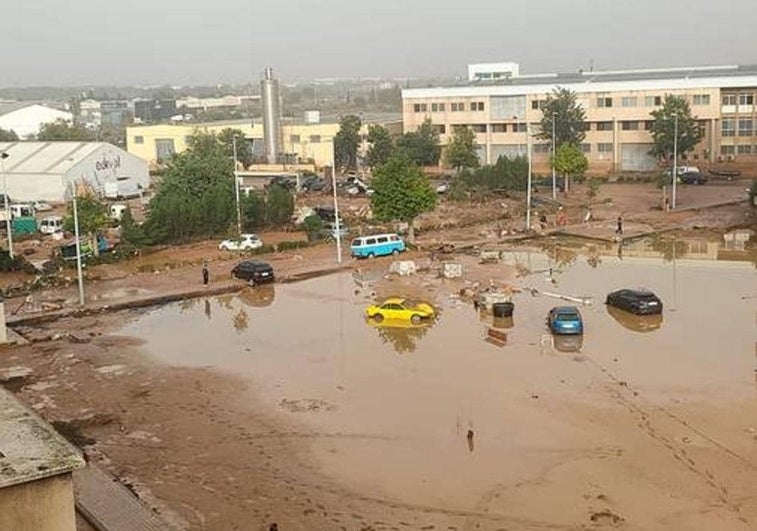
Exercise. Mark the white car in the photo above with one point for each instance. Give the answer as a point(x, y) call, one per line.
point(42, 206)
point(246, 242)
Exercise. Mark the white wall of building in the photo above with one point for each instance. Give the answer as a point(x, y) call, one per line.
point(27, 121)
point(108, 164)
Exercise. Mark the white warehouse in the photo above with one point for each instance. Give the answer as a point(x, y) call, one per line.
point(45, 170)
point(25, 119)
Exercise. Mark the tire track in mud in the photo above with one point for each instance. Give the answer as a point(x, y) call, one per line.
point(679, 453)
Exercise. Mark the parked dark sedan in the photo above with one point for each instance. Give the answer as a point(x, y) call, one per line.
point(637, 301)
point(692, 177)
point(253, 272)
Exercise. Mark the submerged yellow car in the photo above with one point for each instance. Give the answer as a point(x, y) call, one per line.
point(397, 308)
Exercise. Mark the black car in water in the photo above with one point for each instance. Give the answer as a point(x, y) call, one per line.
point(692, 177)
point(636, 301)
point(253, 272)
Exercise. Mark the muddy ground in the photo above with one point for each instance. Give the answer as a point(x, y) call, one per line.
point(206, 449)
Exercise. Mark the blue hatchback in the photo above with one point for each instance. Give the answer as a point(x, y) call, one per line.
point(564, 320)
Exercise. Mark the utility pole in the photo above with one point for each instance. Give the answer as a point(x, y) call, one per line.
point(78, 247)
point(675, 160)
point(236, 186)
point(554, 177)
point(8, 223)
point(337, 221)
point(528, 193)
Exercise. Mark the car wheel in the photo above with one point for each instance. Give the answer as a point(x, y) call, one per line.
point(396, 252)
point(224, 248)
point(371, 256)
point(378, 317)
point(415, 319)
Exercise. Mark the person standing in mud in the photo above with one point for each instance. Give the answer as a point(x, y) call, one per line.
point(619, 228)
point(205, 274)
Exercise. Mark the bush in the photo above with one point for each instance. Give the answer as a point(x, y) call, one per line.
point(312, 225)
point(290, 245)
point(17, 263)
point(279, 206)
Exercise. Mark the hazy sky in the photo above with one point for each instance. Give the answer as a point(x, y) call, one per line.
point(108, 42)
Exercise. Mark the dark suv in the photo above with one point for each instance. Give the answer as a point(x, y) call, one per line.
point(253, 272)
point(638, 301)
point(692, 177)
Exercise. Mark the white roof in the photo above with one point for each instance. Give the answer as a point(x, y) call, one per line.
point(46, 157)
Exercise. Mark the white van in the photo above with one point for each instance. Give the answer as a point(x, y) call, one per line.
point(51, 225)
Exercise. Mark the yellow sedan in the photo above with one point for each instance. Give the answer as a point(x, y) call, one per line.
point(397, 308)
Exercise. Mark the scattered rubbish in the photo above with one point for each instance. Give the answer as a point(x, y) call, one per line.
point(488, 257)
point(403, 267)
point(452, 270)
point(306, 405)
point(581, 299)
point(488, 298)
point(496, 337)
point(470, 441)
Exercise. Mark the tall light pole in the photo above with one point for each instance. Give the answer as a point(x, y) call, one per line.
point(78, 246)
point(8, 224)
point(337, 221)
point(236, 185)
point(554, 177)
point(528, 193)
point(675, 160)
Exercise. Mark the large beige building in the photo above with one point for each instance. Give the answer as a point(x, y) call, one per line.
point(502, 108)
point(302, 142)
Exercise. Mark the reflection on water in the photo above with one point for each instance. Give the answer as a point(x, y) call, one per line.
point(258, 296)
point(568, 343)
point(637, 323)
point(402, 334)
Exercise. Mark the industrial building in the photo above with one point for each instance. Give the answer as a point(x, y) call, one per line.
point(306, 140)
point(36, 466)
point(46, 170)
point(26, 118)
point(501, 106)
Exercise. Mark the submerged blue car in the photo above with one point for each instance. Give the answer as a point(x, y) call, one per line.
point(564, 320)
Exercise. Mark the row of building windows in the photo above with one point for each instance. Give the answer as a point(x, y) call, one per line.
point(473, 106)
point(602, 147)
point(625, 125)
point(745, 127)
point(746, 149)
point(738, 99)
point(313, 139)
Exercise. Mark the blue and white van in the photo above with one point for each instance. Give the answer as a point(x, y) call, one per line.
point(377, 245)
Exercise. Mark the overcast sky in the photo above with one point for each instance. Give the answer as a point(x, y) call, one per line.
point(123, 42)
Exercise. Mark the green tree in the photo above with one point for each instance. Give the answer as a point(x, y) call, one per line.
point(346, 142)
point(461, 151)
point(253, 211)
point(92, 216)
point(506, 174)
point(562, 108)
point(279, 206)
point(401, 192)
point(664, 126)
point(195, 196)
point(131, 232)
point(227, 137)
point(312, 226)
point(381, 145)
point(421, 146)
point(570, 161)
point(64, 130)
point(8, 135)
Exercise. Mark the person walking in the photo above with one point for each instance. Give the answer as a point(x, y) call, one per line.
point(205, 274)
point(619, 228)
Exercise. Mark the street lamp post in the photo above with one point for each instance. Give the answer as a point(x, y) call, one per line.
point(236, 186)
point(8, 224)
point(675, 160)
point(337, 221)
point(78, 246)
point(554, 177)
point(528, 193)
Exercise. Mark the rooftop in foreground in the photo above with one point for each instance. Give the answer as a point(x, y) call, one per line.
point(30, 449)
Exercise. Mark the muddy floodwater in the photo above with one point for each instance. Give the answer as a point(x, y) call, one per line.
point(641, 422)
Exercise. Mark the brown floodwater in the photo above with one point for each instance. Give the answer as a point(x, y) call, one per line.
point(440, 415)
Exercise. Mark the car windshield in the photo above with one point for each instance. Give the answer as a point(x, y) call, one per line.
point(567, 317)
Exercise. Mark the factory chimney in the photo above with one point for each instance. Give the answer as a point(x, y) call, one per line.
point(269, 91)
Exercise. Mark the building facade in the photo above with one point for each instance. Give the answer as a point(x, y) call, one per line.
point(617, 107)
point(47, 170)
point(26, 119)
point(304, 142)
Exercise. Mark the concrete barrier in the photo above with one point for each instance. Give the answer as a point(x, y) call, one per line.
point(403, 267)
point(452, 270)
